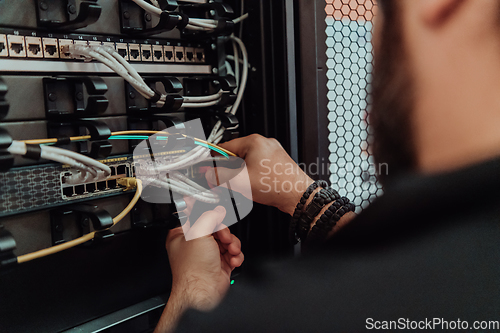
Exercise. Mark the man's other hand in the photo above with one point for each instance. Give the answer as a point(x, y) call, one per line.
point(201, 268)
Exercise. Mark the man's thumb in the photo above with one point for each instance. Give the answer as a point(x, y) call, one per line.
point(206, 223)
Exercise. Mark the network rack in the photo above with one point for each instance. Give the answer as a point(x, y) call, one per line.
point(50, 91)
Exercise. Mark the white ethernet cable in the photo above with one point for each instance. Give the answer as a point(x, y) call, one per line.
point(217, 132)
point(89, 169)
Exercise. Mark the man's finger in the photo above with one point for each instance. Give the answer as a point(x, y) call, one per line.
point(207, 223)
point(235, 246)
point(238, 146)
point(234, 179)
point(236, 261)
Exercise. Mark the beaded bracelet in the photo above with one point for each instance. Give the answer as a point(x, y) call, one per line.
point(328, 220)
point(299, 208)
point(321, 199)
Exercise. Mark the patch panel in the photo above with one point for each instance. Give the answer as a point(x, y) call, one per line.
point(4, 50)
point(50, 48)
point(34, 47)
point(168, 52)
point(180, 55)
point(17, 48)
point(39, 45)
point(134, 51)
point(190, 55)
point(146, 53)
point(158, 53)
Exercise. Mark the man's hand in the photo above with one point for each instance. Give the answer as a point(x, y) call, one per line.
point(276, 180)
point(201, 268)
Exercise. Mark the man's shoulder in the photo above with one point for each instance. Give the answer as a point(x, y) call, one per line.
point(446, 272)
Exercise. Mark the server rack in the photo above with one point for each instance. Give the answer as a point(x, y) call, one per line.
point(120, 282)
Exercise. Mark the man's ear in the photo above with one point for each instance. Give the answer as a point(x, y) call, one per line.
point(437, 12)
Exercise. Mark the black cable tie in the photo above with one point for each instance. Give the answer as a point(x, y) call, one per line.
point(183, 22)
point(33, 152)
point(156, 97)
point(63, 140)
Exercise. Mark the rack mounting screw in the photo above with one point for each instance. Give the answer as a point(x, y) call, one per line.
point(215, 70)
point(52, 97)
point(71, 9)
point(126, 15)
point(147, 17)
point(43, 5)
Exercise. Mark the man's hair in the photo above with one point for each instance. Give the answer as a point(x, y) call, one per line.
point(392, 100)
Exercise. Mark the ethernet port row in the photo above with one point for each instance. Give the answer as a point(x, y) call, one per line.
point(4, 51)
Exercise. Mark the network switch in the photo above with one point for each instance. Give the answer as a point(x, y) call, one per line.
point(86, 190)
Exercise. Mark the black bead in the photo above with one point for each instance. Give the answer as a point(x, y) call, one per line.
point(336, 217)
point(328, 213)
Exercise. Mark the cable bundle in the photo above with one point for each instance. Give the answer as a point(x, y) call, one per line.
point(112, 59)
point(87, 169)
point(193, 23)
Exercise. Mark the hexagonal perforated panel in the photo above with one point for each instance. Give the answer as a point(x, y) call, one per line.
point(349, 51)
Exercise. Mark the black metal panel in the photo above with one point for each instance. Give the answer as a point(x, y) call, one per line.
point(58, 292)
point(313, 112)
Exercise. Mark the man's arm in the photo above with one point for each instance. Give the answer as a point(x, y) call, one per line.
point(275, 178)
